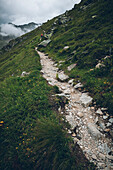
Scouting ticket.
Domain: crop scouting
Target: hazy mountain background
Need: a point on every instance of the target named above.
(10, 31)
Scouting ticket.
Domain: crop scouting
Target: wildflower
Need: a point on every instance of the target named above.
(16, 148)
(2, 122)
(7, 127)
(19, 144)
(28, 149)
(29, 80)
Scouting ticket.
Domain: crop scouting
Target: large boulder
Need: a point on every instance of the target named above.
(93, 130)
(45, 43)
(62, 77)
(85, 99)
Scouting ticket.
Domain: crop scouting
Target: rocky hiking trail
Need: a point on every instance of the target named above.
(96, 146)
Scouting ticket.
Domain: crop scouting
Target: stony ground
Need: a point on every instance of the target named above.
(85, 130)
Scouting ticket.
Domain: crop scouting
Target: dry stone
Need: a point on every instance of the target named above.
(99, 112)
(85, 99)
(93, 130)
(80, 114)
(79, 85)
(69, 68)
(62, 77)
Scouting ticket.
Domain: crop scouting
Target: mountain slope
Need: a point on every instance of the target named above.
(88, 33)
(32, 133)
(31, 129)
(11, 31)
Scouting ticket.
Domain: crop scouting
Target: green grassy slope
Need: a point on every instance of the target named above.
(32, 133)
(30, 129)
(88, 33)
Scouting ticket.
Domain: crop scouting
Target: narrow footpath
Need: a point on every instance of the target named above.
(84, 130)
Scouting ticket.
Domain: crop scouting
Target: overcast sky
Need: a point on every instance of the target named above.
(25, 11)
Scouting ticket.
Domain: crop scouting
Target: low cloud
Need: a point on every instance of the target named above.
(8, 29)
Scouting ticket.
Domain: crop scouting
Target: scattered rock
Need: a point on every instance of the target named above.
(103, 109)
(99, 65)
(106, 57)
(61, 61)
(24, 73)
(69, 131)
(71, 120)
(102, 125)
(67, 91)
(69, 68)
(62, 77)
(105, 117)
(108, 124)
(80, 114)
(101, 165)
(106, 130)
(111, 133)
(93, 130)
(111, 120)
(75, 140)
(94, 157)
(99, 112)
(73, 135)
(104, 148)
(96, 119)
(85, 99)
(66, 47)
(102, 156)
(79, 85)
(45, 43)
(110, 157)
(94, 16)
(71, 81)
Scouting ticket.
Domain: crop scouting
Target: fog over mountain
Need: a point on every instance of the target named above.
(10, 31)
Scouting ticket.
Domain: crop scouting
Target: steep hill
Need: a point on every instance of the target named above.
(33, 135)
(87, 31)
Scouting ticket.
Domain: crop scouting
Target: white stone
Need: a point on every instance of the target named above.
(24, 73)
(99, 65)
(80, 114)
(67, 91)
(85, 99)
(99, 112)
(93, 130)
(111, 120)
(69, 68)
(105, 117)
(71, 81)
(108, 124)
(96, 120)
(61, 61)
(66, 47)
(62, 77)
(71, 120)
(78, 85)
(102, 156)
(94, 157)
